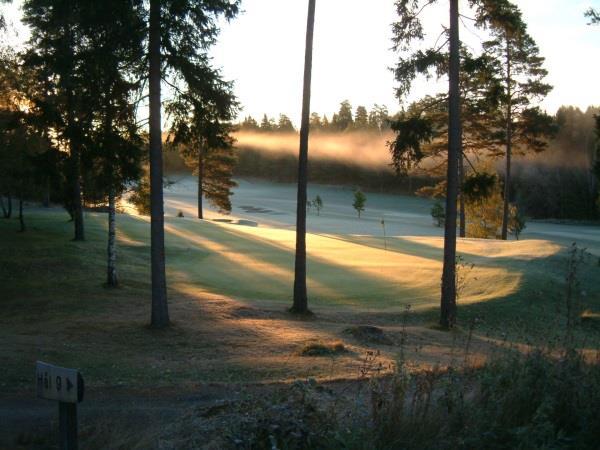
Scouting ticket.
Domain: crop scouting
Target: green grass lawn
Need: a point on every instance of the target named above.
(56, 308)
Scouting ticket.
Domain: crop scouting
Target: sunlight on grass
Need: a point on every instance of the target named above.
(401, 271)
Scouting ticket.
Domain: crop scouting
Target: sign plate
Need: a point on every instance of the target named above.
(58, 383)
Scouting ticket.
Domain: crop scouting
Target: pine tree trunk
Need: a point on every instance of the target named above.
(21, 218)
(111, 275)
(461, 198)
(74, 158)
(160, 309)
(448, 297)
(9, 205)
(77, 202)
(200, 181)
(508, 144)
(300, 304)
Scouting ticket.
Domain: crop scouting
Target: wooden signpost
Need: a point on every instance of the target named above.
(65, 386)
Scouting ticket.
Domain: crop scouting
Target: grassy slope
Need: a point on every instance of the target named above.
(228, 288)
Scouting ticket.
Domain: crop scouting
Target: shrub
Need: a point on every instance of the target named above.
(359, 201)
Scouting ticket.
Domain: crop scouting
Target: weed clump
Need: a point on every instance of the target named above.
(318, 348)
(533, 401)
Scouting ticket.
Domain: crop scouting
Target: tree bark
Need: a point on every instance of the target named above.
(74, 156)
(160, 310)
(9, 206)
(508, 143)
(200, 181)
(300, 304)
(461, 198)
(448, 295)
(111, 275)
(21, 218)
(76, 191)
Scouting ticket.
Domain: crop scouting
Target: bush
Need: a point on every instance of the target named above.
(359, 202)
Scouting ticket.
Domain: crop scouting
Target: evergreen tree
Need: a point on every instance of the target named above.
(315, 122)
(285, 124)
(524, 127)
(179, 34)
(379, 118)
(430, 61)
(361, 118)
(20, 143)
(359, 202)
(204, 138)
(343, 119)
(479, 93)
(111, 51)
(249, 124)
(267, 124)
(55, 56)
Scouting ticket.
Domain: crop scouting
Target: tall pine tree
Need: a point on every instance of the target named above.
(520, 66)
(54, 55)
(202, 129)
(111, 59)
(429, 61)
(179, 34)
(300, 302)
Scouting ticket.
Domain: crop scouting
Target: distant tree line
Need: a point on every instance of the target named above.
(346, 119)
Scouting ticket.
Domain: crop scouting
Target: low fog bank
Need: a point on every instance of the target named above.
(361, 148)
(556, 183)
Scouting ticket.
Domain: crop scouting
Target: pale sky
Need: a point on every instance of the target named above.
(262, 51)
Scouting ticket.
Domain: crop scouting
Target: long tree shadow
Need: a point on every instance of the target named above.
(266, 273)
(235, 263)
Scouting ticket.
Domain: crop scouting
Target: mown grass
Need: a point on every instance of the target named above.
(56, 307)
